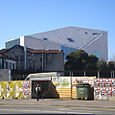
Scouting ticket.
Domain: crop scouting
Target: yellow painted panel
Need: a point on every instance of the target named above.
(8, 89)
(18, 89)
(2, 89)
(15, 89)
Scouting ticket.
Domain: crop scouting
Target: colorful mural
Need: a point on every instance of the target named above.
(15, 89)
(66, 86)
(89, 80)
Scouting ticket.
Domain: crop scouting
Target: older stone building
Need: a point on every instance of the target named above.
(7, 62)
(30, 59)
(1, 58)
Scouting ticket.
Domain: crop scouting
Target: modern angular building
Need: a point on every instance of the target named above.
(66, 39)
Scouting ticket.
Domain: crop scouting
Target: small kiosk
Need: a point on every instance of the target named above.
(44, 79)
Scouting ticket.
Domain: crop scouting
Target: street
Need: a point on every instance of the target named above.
(56, 106)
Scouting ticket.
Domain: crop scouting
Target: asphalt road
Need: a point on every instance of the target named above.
(56, 106)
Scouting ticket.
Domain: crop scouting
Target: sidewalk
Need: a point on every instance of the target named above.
(56, 105)
(58, 102)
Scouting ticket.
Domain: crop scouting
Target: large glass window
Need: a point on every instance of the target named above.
(97, 53)
(12, 43)
(45, 38)
(67, 50)
(70, 39)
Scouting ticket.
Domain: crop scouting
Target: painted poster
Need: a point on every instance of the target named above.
(113, 91)
(56, 81)
(108, 83)
(2, 89)
(66, 82)
(102, 82)
(113, 82)
(96, 90)
(17, 90)
(96, 82)
(108, 91)
(26, 88)
(89, 80)
(103, 91)
(8, 89)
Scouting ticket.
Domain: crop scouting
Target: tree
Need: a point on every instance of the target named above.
(111, 65)
(92, 62)
(80, 60)
(76, 60)
(101, 65)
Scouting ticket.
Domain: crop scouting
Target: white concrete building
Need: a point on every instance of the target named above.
(67, 39)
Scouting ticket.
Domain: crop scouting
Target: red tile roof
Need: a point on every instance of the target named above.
(43, 51)
(3, 50)
(53, 51)
(1, 55)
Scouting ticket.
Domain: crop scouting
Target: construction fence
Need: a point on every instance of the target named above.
(58, 87)
(104, 88)
(15, 89)
(66, 86)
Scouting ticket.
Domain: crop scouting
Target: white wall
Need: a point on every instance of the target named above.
(81, 37)
(22, 40)
(10, 62)
(100, 45)
(40, 44)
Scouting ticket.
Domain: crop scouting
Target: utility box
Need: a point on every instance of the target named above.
(84, 91)
(5, 75)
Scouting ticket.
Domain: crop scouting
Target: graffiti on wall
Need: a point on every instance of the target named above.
(61, 81)
(66, 81)
(15, 89)
(89, 80)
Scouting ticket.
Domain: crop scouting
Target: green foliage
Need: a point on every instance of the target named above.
(77, 60)
(101, 65)
(111, 65)
(92, 62)
(80, 60)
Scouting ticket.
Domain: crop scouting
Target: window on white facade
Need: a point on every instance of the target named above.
(70, 40)
(95, 33)
(45, 38)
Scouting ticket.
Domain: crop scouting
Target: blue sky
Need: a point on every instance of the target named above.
(24, 17)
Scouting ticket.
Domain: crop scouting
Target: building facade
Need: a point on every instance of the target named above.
(30, 59)
(7, 62)
(1, 58)
(67, 39)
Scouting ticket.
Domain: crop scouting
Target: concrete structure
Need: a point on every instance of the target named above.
(67, 39)
(5, 75)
